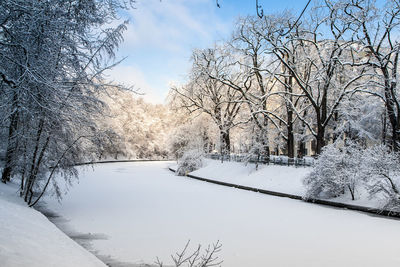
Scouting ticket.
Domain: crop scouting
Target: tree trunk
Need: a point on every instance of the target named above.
(289, 108)
(38, 163)
(290, 141)
(302, 149)
(320, 139)
(225, 142)
(29, 182)
(391, 108)
(11, 145)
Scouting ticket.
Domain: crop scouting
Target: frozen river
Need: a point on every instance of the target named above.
(145, 211)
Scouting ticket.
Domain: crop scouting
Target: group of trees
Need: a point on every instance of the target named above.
(141, 130)
(330, 74)
(53, 55)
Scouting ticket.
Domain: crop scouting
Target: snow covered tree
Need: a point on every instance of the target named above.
(195, 134)
(255, 83)
(142, 129)
(204, 94)
(315, 59)
(361, 119)
(50, 79)
(375, 30)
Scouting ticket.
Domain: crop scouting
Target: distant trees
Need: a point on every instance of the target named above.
(195, 134)
(53, 54)
(141, 130)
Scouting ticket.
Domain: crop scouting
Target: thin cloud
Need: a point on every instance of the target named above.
(160, 39)
(133, 76)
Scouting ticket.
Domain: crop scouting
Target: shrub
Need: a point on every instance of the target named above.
(382, 171)
(350, 167)
(190, 161)
(335, 171)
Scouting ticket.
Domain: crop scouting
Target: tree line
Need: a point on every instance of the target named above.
(326, 76)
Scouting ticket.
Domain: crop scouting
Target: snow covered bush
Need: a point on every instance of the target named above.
(382, 172)
(347, 168)
(190, 161)
(323, 180)
(337, 169)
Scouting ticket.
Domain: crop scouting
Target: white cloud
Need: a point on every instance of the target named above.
(132, 76)
(159, 42)
(172, 24)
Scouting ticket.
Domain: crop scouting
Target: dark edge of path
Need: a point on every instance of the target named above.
(122, 160)
(379, 212)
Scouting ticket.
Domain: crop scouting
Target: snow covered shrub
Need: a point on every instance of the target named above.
(336, 170)
(382, 173)
(323, 180)
(190, 161)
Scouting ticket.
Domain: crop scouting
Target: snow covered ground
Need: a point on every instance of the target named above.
(271, 177)
(27, 238)
(146, 211)
(285, 179)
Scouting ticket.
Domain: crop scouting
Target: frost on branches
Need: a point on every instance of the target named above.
(381, 167)
(349, 168)
(331, 177)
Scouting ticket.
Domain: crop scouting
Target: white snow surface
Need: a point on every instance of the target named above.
(284, 179)
(147, 211)
(28, 238)
(278, 178)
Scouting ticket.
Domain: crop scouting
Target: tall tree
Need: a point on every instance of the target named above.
(51, 76)
(322, 70)
(207, 95)
(375, 30)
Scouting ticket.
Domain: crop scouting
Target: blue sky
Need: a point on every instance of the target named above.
(162, 35)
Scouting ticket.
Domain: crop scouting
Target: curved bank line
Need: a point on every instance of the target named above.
(387, 213)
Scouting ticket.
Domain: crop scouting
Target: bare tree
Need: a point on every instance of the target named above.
(197, 258)
(319, 67)
(376, 30)
(203, 94)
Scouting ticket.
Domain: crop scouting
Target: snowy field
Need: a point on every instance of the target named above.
(146, 211)
(27, 238)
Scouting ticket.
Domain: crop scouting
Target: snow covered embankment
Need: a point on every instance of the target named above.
(28, 238)
(277, 178)
(281, 181)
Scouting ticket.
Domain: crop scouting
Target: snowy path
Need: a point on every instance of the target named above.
(146, 212)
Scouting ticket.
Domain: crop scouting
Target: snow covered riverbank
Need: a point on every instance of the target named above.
(285, 179)
(277, 178)
(146, 211)
(28, 238)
